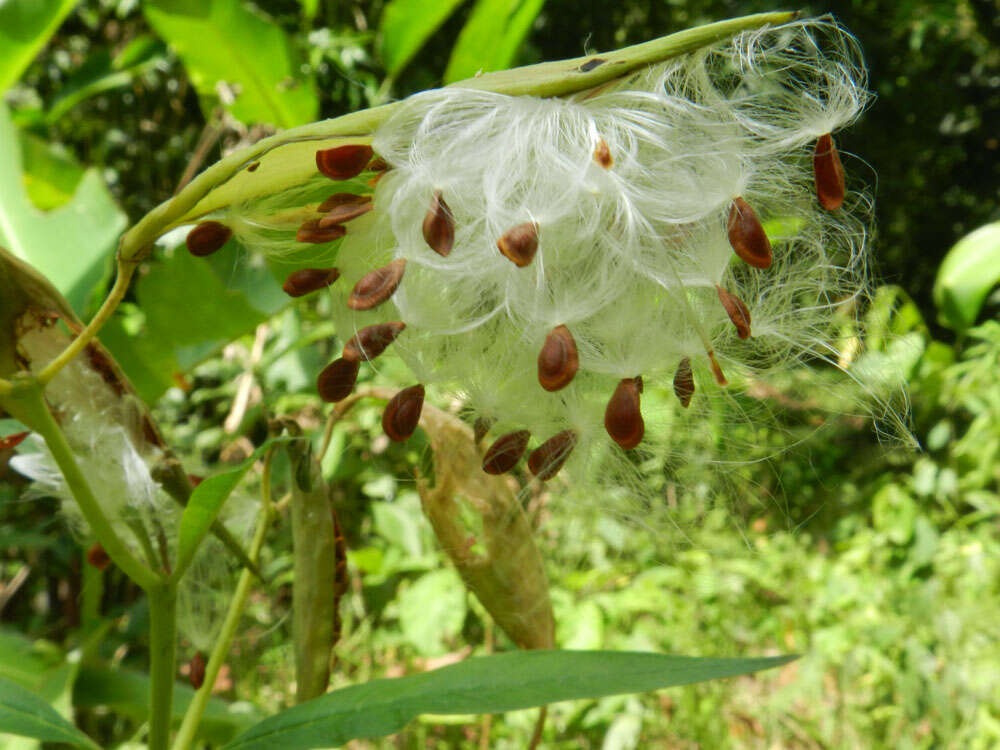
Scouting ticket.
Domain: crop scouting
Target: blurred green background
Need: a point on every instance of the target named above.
(879, 563)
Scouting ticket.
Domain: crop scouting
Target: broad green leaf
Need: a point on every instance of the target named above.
(968, 273)
(27, 662)
(69, 245)
(432, 610)
(127, 693)
(25, 27)
(407, 25)
(204, 505)
(491, 37)
(224, 42)
(51, 175)
(487, 684)
(24, 713)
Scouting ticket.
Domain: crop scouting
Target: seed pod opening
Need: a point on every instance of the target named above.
(684, 382)
(372, 340)
(747, 235)
(402, 413)
(505, 452)
(337, 379)
(345, 210)
(377, 286)
(519, 244)
(623, 417)
(312, 232)
(439, 226)
(207, 237)
(829, 173)
(343, 162)
(548, 458)
(196, 670)
(720, 378)
(98, 557)
(558, 360)
(602, 154)
(306, 280)
(737, 311)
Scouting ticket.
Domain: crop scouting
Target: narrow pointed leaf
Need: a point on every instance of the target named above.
(25, 714)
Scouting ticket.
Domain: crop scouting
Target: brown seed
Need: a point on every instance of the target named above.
(252, 167)
(6, 443)
(97, 557)
(546, 460)
(747, 236)
(602, 154)
(196, 670)
(737, 311)
(372, 340)
(622, 417)
(829, 173)
(341, 199)
(402, 413)
(346, 211)
(519, 244)
(378, 164)
(720, 378)
(591, 64)
(439, 226)
(505, 452)
(481, 427)
(312, 232)
(343, 162)
(307, 280)
(377, 286)
(558, 360)
(337, 379)
(208, 237)
(684, 382)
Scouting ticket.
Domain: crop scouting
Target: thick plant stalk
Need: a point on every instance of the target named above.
(314, 599)
(162, 660)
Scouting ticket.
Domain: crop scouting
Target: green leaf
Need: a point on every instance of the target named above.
(407, 25)
(69, 245)
(25, 27)
(24, 713)
(487, 684)
(205, 503)
(224, 42)
(491, 37)
(51, 175)
(968, 273)
(127, 693)
(432, 610)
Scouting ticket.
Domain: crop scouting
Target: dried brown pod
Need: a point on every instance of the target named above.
(684, 382)
(343, 162)
(602, 154)
(747, 235)
(737, 311)
(375, 287)
(548, 458)
(829, 173)
(481, 427)
(439, 226)
(337, 379)
(372, 340)
(402, 413)
(623, 417)
(519, 244)
(207, 237)
(558, 360)
(98, 557)
(505, 452)
(313, 233)
(196, 670)
(720, 377)
(306, 280)
(346, 210)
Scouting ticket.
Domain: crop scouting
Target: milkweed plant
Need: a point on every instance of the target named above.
(537, 245)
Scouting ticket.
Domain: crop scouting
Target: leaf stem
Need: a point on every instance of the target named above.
(196, 709)
(162, 655)
(117, 294)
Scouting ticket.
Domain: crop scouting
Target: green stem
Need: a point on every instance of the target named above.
(192, 718)
(28, 405)
(162, 654)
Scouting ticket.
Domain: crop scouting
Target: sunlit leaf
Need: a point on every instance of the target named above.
(25, 27)
(969, 271)
(407, 25)
(491, 37)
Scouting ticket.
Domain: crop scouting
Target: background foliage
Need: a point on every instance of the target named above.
(881, 565)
